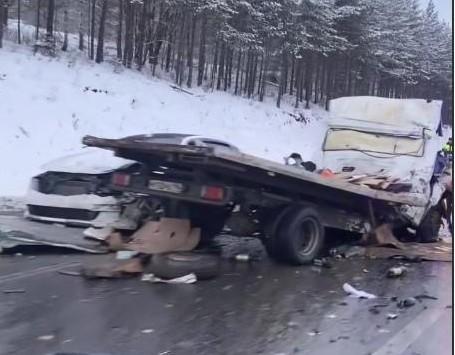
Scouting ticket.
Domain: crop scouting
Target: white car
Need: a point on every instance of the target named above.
(74, 190)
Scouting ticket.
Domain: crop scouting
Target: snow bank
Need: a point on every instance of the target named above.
(47, 105)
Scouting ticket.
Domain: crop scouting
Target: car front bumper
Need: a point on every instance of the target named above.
(79, 210)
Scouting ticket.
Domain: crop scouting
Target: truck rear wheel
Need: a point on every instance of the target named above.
(299, 238)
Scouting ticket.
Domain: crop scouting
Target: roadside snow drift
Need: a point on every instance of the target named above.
(47, 106)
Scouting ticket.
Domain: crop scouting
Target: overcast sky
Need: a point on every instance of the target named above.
(444, 8)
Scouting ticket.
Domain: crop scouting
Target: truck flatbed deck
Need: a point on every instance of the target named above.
(245, 166)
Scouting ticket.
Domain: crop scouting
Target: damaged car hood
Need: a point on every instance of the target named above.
(88, 161)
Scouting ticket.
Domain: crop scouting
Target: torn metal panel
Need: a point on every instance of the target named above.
(16, 231)
(350, 139)
(395, 112)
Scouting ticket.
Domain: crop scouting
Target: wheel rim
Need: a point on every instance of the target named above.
(308, 237)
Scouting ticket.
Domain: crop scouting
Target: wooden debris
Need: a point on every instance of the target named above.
(377, 182)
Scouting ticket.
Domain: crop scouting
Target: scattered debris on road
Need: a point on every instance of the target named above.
(314, 332)
(424, 297)
(14, 291)
(357, 293)
(392, 316)
(187, 279)
(46, 337)
(323, 262)
(354, 251)
(407, 302)
(147, 331)
(397, 271)
(113, 269)
(374, 310)
(383, 330)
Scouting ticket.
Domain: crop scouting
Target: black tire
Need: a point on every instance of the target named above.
(270, 231)
(428, 231)
(172, 265)
(300, 237)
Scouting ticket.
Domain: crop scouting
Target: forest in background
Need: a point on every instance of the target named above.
(302, 51)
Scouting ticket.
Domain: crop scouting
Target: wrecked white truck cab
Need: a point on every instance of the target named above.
(396, 138)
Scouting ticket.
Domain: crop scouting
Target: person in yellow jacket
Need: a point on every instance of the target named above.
(448, 147)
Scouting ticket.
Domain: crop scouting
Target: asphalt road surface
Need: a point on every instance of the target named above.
(252, 308)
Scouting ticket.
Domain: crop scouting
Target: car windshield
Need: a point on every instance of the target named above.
(349, 139)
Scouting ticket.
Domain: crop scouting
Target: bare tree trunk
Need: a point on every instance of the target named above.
(237, 74)
(89, 25)
(50, 19)
(180, 50)
(291, 81)
(221, 67)
(330, 80)
(298, 81)
(119, 29)
(19, 21)
(100, 44)
(128, 47)
(302, 79)
(5, 12)
(92, 29)
(140, 38)
(261, 71)
(241, 74)
(37, 19)
(264, 75)
(214, 66)
(323, 80)
(229, 71)
(226, 66)
(169, 52)
(317, 82)
(282, 88)
(247, 72)
(253, 77)
(2, 13)
(65, 29)
(81, 26)
(189, 82)
(202, 43)
(308, 80)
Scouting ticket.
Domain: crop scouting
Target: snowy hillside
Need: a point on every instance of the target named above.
(47, 105)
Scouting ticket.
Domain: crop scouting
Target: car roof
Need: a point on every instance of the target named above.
(170, 138)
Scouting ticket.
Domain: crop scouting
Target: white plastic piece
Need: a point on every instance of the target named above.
(353, 292)
(186, 279)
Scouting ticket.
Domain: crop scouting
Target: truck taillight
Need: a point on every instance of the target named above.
(121, 179)
(213, 193)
